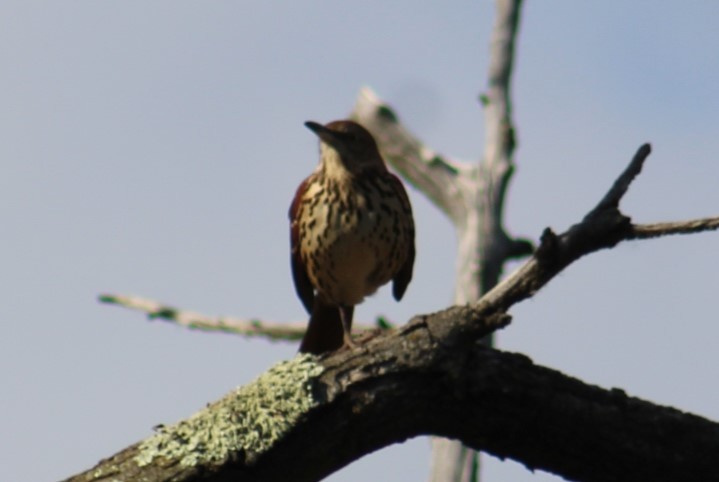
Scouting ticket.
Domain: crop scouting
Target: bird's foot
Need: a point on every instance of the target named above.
(349, 343)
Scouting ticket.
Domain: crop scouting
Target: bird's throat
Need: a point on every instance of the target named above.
(331, 163)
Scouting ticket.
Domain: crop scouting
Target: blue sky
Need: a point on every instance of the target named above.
(153, 149)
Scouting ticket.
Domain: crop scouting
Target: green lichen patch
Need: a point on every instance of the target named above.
(246, 422)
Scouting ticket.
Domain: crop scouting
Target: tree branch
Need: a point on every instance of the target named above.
(311, 416)
(428, 171)
(237, 326)
(411, 383)
(645, 231)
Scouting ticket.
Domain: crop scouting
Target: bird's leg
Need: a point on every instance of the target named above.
(346, 317)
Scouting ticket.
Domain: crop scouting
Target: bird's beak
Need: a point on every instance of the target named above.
(326, 135)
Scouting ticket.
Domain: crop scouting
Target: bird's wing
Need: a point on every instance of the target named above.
(303, 286)
(404, 275)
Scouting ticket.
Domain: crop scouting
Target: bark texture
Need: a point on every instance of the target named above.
(493, 401)
(308, 417)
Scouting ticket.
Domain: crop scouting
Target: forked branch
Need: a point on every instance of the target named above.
(390, 388)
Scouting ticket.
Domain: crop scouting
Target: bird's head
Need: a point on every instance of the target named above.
(349, 143)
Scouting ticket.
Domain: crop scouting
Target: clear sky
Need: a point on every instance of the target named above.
(152, 148)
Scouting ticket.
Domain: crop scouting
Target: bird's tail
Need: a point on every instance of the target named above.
(324, 332)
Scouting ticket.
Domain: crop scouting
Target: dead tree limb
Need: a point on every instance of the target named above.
(248, 327)
(308, 417)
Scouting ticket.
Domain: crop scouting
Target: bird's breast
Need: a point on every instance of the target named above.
(352, 240)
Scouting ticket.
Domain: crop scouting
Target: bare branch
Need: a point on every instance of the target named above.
(238, 326)
(500, 140)
(645, 231)
(352, 402)
(621, 185)
(421, 166)
(389, 388)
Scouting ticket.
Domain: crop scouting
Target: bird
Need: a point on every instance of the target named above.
(351, 232)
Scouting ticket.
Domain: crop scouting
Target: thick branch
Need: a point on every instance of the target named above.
(432, 376)
(411, 383)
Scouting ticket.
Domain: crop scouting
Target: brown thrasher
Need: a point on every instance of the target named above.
(351, 231)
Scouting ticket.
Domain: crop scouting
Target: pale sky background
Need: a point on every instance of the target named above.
(152, 148)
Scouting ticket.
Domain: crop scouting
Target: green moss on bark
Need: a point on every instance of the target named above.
(242, 425)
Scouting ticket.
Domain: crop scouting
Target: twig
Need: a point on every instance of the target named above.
(645, 231)
(621, 185)
(197, 321)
